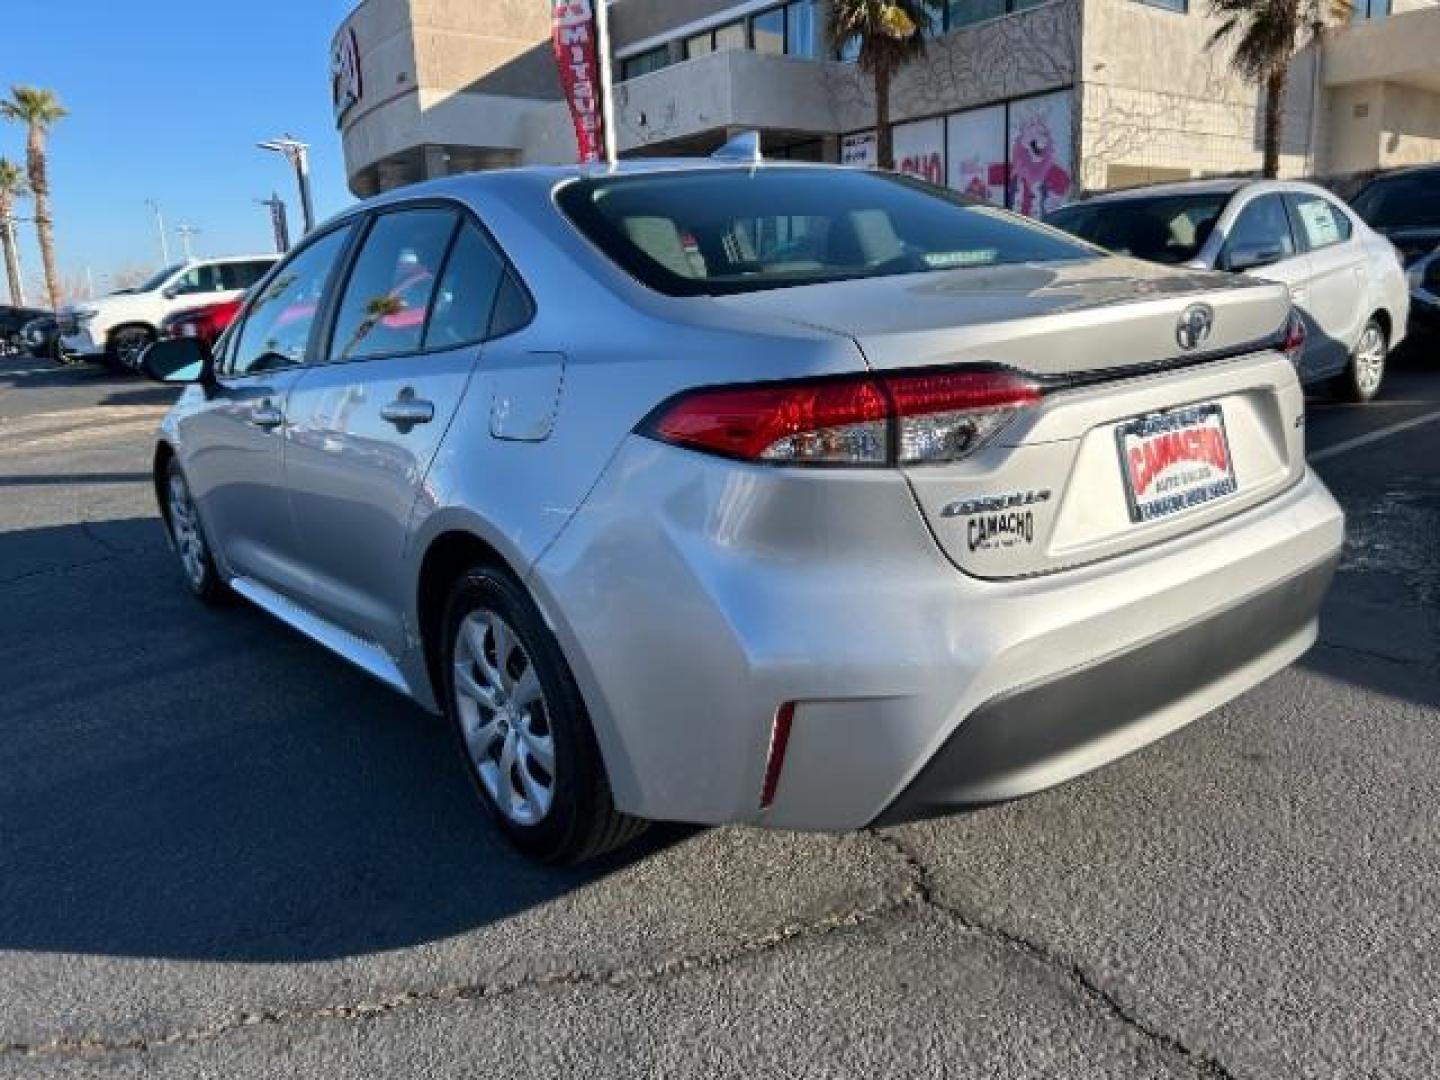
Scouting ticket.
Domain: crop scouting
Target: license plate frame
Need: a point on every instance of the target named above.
(1207, 455)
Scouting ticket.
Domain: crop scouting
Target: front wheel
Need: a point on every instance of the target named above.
(1361, 380)
(522, 727)
(187, 537)
(127, 346)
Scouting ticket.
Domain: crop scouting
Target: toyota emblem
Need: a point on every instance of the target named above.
(1195, 326)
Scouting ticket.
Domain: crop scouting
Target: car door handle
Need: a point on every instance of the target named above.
(266, 416)
(408, 411)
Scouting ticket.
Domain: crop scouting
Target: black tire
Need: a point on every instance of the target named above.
(581, 821)
(1362, 378)
(122, 351)
(200, 577)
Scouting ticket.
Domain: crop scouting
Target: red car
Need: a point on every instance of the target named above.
(206, 322)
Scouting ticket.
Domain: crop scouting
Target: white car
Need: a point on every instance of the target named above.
(117, 328)
(1346, 279)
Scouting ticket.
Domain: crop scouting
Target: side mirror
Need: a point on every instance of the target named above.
(179, 361)
(1252, 256)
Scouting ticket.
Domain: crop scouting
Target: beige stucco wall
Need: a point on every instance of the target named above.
(445, 71)
(1024, 53)
(1154, 95)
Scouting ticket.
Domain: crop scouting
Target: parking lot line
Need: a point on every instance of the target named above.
(1361, 441)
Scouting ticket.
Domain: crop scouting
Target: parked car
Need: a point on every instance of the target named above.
(42, 338)
(206, 322)
(1345, 278)
(1424, 278)
(1405, 207)
(115, 329)
(12, 325)
(672, 524)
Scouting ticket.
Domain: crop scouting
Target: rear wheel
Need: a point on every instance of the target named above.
(197, 566)
(522, 727)
(126, 346)
(1362, 379)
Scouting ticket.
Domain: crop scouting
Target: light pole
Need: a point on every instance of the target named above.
(186, 232)
(298, 154)
(279, 221)
(160, 231)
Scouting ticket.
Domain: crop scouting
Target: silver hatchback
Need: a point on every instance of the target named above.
(789, 495)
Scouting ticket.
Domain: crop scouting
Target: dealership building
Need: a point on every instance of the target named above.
(1024, 102)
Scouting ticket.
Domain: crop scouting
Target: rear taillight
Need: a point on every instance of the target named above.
(907, 419)
(1294, 345)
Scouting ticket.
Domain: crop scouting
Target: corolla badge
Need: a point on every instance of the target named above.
(1195, 325)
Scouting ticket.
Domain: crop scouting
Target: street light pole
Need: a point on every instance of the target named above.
(298, 154)
(186, 232)
(279, 221)
(160, 231)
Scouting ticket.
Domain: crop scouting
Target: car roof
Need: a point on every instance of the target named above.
(471, 187)
(1409, 170)
(1229, 185)
(270, 255)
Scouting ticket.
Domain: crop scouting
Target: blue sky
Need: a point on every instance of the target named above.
(167, 101)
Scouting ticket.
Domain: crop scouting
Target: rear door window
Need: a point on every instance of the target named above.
(387, 299)
(1319, 222)
(240, 276)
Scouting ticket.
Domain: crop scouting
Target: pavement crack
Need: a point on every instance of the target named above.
(1074, 973)
(612, 977)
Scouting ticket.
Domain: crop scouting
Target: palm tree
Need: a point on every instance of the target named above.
(12, 187)
(37, 109)
(891, 33)
(1267, 34)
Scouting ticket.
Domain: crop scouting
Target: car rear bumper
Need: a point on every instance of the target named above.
(1041, 735)
(695, 598)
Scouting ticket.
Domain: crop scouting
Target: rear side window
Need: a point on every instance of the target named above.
(717, 231)
(238, 276)
(388, 295)
(1319, 221)
(466, 295)
(513, 307)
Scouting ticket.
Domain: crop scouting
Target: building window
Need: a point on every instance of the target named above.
(699, 45)
(730, 36)
(802, 30)
(767, 30)
(1181, 6)
(644, 63)
(1363, 10)
(965, 12)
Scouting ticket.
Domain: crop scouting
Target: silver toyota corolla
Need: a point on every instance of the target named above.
(788, 495)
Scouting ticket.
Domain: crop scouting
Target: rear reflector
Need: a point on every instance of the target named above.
(859, 420)
(779, 741)
(1294, 346)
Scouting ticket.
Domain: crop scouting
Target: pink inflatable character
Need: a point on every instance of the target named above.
(1039, 183)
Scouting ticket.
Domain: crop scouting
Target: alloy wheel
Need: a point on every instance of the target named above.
(1370, 360)
(185, 529)
(129, 347)
(504, 719)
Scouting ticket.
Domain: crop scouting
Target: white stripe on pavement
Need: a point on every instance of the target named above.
(1361, 441)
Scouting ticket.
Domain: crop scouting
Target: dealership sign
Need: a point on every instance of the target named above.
(345, 84)
(577, 52)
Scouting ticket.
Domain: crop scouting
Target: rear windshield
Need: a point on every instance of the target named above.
(729, 231)
(1401, 202)
(1163, 228)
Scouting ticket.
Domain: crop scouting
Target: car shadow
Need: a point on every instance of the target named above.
(148, 395)
(199, 784)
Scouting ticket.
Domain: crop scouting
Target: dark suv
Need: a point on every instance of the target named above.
(1405, 207)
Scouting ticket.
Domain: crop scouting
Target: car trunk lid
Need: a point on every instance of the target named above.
(1217, 425)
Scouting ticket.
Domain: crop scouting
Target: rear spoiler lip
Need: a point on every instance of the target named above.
(1080, 379)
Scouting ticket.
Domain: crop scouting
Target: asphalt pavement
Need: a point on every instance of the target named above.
(225, 853)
